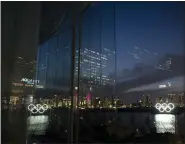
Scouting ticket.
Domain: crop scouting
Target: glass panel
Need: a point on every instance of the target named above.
(46, 121)
(128, 63)
(126, 84)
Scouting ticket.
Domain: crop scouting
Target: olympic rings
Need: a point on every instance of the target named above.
(165, 107)
(38, 108)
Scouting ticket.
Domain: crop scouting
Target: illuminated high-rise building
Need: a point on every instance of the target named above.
(177, 99)
(93, 68)
(159, 99)
(97, 102)
(170, 98)
(147, 100)
(106, 102)
(23, 69)
(181, 101)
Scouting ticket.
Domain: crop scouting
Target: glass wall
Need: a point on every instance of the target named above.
(54, 61)
(54, 74)
(131, 57)
(97, 49)
(128, 57)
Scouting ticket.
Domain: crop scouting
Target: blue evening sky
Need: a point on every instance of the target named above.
(157, 27)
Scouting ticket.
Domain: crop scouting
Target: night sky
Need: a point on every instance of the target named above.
(141, 33)
(144, 32)
(157, 27)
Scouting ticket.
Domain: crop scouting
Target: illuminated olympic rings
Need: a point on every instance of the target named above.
(38, 108)
(165, 107)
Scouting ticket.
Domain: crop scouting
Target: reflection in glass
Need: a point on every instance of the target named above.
(37, 124)
(165, 123)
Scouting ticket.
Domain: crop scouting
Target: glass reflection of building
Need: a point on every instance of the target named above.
(53, 62)
(23, 69)
(97, 60)
(93, 67)
(147, 100)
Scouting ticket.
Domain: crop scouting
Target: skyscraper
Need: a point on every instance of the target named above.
(23, 69)
(147, 100)
(93, 67)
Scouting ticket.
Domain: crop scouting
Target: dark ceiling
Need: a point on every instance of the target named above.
(53, 14)
(23, 22)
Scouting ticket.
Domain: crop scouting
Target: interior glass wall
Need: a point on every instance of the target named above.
(54, 75)
(131, 58)
(54, 61)
(127, 59)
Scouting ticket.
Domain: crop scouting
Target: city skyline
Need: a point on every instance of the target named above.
(144, 50)
(157, 32)
(93, 72)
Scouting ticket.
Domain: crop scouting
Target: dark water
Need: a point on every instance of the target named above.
(163, 122)
(53, 124)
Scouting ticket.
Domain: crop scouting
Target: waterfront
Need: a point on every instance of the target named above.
(52, 126)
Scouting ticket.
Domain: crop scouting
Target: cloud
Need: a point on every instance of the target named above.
(177, 84)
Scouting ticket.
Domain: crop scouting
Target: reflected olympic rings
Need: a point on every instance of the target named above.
(38, 108)
(165, 107)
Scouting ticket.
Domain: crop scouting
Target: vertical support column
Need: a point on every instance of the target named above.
(80, 28)
(71, 112)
